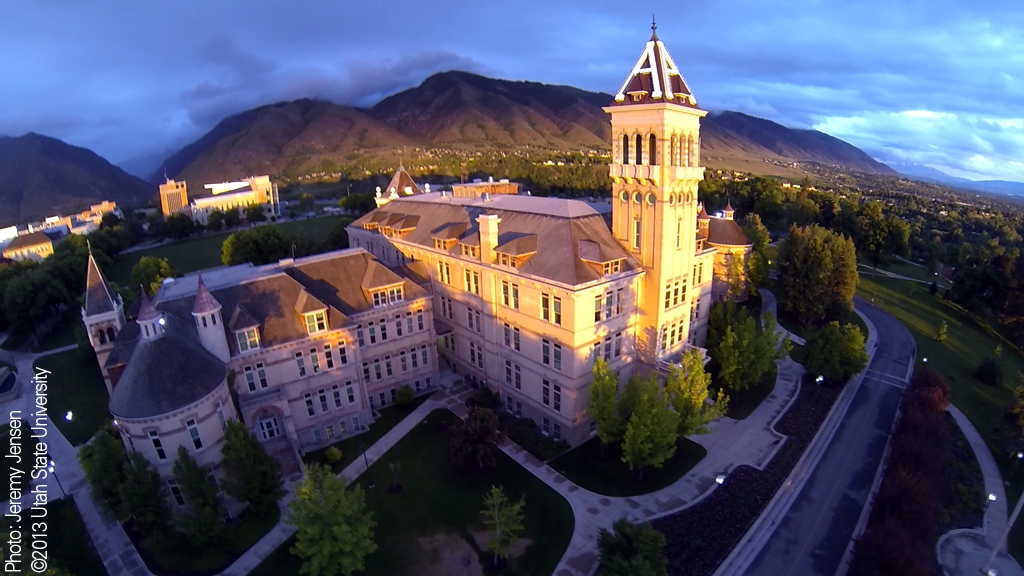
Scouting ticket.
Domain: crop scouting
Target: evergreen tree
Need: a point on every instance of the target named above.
(817, 273)
(215, 221)
(144, 500)
(254, 213)
(603, 408)
(651, 431)
(334, 530)
(204, 523)
(687, 389)
(103, 461)
(835, 352)
(737, 280)
(504, 520)
(940, 334)
(253, 476)
(631, 550)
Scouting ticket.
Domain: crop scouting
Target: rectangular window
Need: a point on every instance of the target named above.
(351, 393)
(322, 395)
(618, 345)
(394, 395)
(618, 301)
(261, 373)
(403, 360)
(546, 393)
(668, 295)
(473, 281)
(598, 307)
(383, 399)
(557, 432)
(408, 321)
(609, 305)
(479, 326)
(423, 355)
(342, 427)
(515, 296)
(247, 339)
(366, 371)
(469, 318)
(558, 398)
(383, 329)
(515, 339)
(172, 486)
(336, 392)
(373, 333)
(158, 446)
(301, 364)
(545, 427)
(545, 352)
(355, 423)
(419, 320)
(558, 310)
(316, 322)
(505, 293)
(508, 404)
(444, 272)
(193, 432)
(398, 325)
(558, 356)
(518, 377)
(508, 336)
(414, 358)
(329, 356)
(314, 360)
(608, 348)
(220, 416)
(519, 409)
(250, 379)
(359, 336)
(387, 366)
(613, 267)
(545, 307)
(508, 373)
(637, 234)
(330, 431)
(317, 438)
(679, 233)
(376, 369)
(310, 411)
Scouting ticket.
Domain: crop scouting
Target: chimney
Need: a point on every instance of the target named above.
(488, 236)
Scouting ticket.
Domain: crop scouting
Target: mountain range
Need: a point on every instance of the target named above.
(936, 176)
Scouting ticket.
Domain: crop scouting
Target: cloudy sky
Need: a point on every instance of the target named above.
(933, 82)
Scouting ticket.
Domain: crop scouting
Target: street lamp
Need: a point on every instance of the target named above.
(819, 379)
(52, 464)
(925, 360)
(1014, 469)
(369, 477)
(1002, 538)
(720, 479)
(68, 416)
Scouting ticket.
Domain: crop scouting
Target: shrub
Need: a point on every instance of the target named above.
(332, 454)
(484, 399)
(405, 395)
(472, 442)
(989, 372)
(524, 431)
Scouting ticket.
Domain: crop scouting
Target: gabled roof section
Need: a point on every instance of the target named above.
(307, 303)
(655, 78)
(99, 298)
(517, 244)
(450, 231)
(591, 251)
(241, 319)
(378, 276)
(402, 184)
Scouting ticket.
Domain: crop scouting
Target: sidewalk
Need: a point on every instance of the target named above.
(769, 304)
(996, 512)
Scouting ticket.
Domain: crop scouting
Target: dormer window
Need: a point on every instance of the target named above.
(316, 322)
(471, 251)
(506, 260)
(248, 339)
(389, 296)
(613, 267)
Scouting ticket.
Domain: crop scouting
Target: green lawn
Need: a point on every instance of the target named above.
(967, 342)
(75, 384)
(389, 418)
(68, 542)
(63, 332)
(609, 475)
(204, 252)
(183, 559)
(439, 500)
(903, 268)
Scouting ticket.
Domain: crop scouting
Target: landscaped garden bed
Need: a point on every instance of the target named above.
(963, 495)
(350, 447)
(743, 404)
(433, 526)
(702, 536)
(607, 474)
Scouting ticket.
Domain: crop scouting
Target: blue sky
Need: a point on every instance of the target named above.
(934, 82)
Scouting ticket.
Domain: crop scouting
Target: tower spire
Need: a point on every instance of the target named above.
(654, 28)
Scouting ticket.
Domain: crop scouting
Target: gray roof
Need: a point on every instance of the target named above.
(166, 373)
(553, 227)
(99, 298)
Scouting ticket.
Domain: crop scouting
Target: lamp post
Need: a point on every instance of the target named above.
(369, 477)
(51, 471)
(720, 479)
(1014, 469)
(1002, 538)
(69, 416)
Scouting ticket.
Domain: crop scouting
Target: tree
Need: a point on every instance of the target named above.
(338, 238)
(358, 203)
(215, 221)
(204, 523)
(472, 442)
(109, 220)
(405, 395)
(253, 476)
(504, 520)
(261, 245)
(940, 334)
(334, 531)
(32, 296)
(254, 213)
(179, 226)
(306, 202)
(737, 281)
(103, 462)
(232, 218)
(150, 272)
(651, 431)
(687, 389)
(742, 354)
(144, 499)
(874, 231)
(835, 352)
(631, 550)
(817, 273)
(603, 408)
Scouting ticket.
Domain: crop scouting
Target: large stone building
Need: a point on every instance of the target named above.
(32, 246)
(313, 347)
(238, 195)
(529, 290)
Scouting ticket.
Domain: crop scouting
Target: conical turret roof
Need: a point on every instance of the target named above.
(146, 310)
(205, 302)
(99, 298)
(703, 214)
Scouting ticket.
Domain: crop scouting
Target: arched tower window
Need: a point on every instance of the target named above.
(625, 148)
(691, 151)
(672, 151)
(102, 337)
(696, 151)
(110, 334)
(639, 150)
(652, 154)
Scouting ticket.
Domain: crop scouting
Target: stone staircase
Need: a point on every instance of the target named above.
(281, 449)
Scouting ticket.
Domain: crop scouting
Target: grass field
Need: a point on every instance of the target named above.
(903, 268)
(204, 252)
(75, 384)
(439, 501)
(967, 342)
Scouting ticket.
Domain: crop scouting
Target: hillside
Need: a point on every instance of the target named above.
(42, 176)
(935, 176)
(459, 110)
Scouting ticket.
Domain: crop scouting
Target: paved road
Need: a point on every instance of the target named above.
(812, 537)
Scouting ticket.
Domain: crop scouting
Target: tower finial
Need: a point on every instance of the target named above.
(654, 28)
(88, 246)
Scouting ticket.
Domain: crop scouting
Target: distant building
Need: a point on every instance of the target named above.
(478, 188)
(255, 190)
(401, 185)
(173, 197)
(32, 246)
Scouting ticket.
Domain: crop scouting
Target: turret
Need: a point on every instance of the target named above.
(209, 322)
(102, 311)
(150, 320)
(728, 212)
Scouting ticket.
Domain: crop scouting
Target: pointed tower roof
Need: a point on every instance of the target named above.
(655, 78)
(99, 298)
(205, 302)
(728, 206)
(146, 310)
(401, 183)
(703, 214)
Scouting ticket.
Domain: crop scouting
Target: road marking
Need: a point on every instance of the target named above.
(886, 378)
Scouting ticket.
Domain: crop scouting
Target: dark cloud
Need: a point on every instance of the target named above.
(938, 82)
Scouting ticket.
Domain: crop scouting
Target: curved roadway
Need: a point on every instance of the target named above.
(813, 535)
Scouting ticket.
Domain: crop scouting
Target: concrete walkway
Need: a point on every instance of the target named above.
(769, 304)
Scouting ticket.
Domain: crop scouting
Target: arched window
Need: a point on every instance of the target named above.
(102, 337)
(652, 154)
(625, 148)
(696, 151)
(691, 147)
(639, 149)
(672, 151)
(110, 334)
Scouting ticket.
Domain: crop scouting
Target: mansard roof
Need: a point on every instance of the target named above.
(726, 232)
(655, 78)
